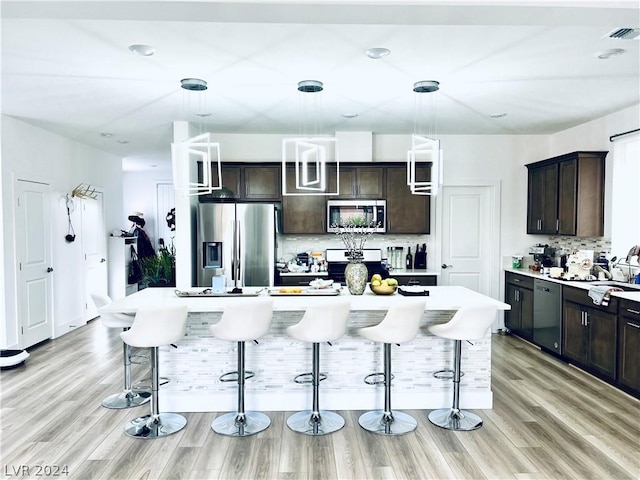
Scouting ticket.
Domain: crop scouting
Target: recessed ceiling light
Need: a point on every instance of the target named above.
(612, 52)
(144, 50)
(498, 115)
(193, 84)
(349, 115)
(377, 53)
(106, 135)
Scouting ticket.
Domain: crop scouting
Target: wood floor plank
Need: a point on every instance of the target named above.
(550, 420)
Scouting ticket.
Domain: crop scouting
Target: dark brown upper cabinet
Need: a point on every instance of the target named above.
(249, 182)
(407, 213)
(566, 195)
(359, 182)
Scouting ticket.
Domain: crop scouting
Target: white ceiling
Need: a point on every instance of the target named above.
(66, 66)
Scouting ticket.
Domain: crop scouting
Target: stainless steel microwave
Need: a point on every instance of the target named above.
(342, 212)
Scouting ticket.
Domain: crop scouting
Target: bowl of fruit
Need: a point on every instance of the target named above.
(380, 286)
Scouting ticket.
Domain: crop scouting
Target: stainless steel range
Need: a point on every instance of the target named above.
(337, 261)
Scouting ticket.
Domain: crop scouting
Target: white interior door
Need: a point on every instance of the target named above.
(33, 250)
(94, 247)
(469, 238)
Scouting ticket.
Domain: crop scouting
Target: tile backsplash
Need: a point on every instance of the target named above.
(290, 245)
(570, 244)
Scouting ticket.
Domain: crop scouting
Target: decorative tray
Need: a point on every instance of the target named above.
(413, 291)
(207, 292)
(302, 292)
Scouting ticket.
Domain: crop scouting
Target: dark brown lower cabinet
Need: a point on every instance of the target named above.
(629, 345)
(590, 333)
(519, 294)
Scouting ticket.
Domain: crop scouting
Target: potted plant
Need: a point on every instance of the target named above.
(159, 270)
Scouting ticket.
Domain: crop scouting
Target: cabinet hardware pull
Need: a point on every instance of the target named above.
(636, 312)
(586, 319)
(633, 325)
(557, 224)
(517, 280)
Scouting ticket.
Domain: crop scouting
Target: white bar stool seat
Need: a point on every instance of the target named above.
(248, 320)
(127, 398)
(318, 324)
(153, 327)
(468, 323)
(400, 325)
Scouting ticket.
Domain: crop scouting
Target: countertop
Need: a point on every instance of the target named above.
(634, 296)
(400, 272)
(440, 298)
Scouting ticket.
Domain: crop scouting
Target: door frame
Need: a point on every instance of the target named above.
(494, 187)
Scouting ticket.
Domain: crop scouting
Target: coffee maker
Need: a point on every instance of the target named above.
(543, 256)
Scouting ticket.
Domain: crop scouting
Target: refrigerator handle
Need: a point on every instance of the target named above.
(234, 251)
(238, 248)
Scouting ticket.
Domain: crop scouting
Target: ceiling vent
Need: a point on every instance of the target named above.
(624, 33)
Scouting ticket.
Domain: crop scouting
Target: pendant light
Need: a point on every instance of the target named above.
(198, 149)
(425, 148)
(310, 153)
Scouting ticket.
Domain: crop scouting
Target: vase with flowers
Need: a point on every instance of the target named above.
(354, 234)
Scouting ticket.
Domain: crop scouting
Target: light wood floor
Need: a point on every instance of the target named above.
(549, 421)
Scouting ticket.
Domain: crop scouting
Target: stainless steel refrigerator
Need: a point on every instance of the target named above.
(238, 238)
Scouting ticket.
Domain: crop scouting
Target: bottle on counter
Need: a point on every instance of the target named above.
(409, 262)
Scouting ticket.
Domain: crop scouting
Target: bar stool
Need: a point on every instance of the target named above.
(152, 327)
(239, 323)
(127, 398)
(399, 325)
(325, 323)
(468, 323)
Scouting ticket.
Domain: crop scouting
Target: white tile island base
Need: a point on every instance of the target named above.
(195, 366)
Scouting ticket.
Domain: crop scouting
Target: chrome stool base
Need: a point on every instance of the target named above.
(155, 426)
(305, 422)
(377, 422)
(126, 399)
(454, 419)
(229, 424)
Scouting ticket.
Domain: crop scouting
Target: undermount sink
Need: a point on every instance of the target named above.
(627, 287)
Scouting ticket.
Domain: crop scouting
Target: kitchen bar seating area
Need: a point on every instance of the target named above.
(549, 420)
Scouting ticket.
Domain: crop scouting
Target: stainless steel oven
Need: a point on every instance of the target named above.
(341, 212)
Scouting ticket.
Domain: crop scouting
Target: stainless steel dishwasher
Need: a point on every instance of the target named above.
(547, 315)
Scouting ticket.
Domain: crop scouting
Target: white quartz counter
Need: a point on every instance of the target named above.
(630, 295)
(440, 298)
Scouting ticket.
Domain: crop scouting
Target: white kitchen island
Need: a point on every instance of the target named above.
(196, 365)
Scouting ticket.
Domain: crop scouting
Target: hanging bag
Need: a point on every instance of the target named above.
(135, 269)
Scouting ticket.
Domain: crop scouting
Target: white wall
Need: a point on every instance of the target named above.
(29, 152)
(594, 135)
(140, 195)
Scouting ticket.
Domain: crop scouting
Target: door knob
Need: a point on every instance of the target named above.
(49, 270)
(444, 265)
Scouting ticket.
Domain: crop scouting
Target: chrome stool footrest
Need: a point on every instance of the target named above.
(372, 378)
(308, 377)
(446, 374)
(233, 376)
